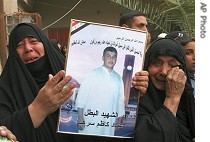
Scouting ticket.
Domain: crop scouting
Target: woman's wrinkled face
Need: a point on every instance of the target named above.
(30, 49)
(159, 68)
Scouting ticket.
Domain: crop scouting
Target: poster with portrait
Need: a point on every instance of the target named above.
(102, 59)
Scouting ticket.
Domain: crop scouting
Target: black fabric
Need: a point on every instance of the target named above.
(55, 42)
(165, 47)
(40, 70)
(23, 32)
(155, 123)
(18, 88)
(192, 75)
(181, 37)
(175, 34)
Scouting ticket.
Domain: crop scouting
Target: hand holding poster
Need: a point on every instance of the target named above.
(102, 59)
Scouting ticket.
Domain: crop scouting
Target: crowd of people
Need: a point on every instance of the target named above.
(33, 86)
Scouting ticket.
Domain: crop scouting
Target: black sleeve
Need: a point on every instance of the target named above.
(155, 125)
(15, 116)
(20, 123)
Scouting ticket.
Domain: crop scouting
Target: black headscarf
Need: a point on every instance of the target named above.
(17, 72)
(55, 43)
(168, 47)
(152, 101)
(20, 83)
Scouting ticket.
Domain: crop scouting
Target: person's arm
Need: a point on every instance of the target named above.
(53, 94)
(175, 84)
(82, 98)
(161, 124)
(16, 118)
(4, 132)
(154, 125)
(140, 81)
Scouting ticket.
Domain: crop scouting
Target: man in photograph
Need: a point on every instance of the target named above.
(100, 100)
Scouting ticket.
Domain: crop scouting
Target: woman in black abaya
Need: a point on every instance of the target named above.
(167, 110)
(29, 105)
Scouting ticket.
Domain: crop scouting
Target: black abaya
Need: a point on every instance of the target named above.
(19, 87)
(155, 122)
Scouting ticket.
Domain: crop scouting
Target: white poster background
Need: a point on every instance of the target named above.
(85, 54)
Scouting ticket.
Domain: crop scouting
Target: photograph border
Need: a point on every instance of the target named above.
(87, 40)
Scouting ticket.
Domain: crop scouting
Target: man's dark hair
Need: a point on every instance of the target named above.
(111, 49)
(127, 17)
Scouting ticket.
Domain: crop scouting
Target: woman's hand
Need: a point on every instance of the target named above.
(51, 96)
(175, 84)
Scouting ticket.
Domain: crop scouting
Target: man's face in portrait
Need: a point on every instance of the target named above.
(110, 59)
